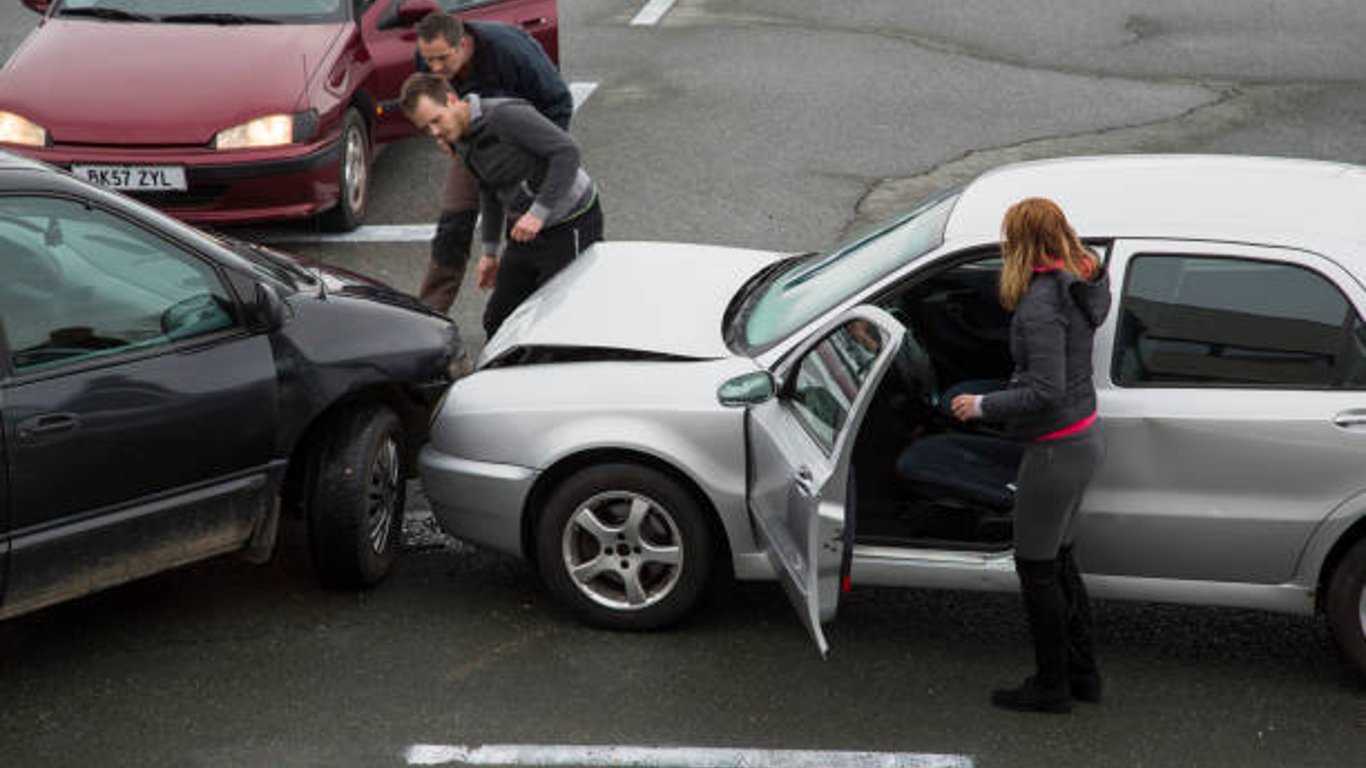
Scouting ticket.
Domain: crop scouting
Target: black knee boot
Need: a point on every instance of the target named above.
(1082, 673)
(1047, 690)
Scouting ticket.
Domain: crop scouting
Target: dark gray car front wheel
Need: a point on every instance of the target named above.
(355, 497)
(1346, 605)
(624, 547)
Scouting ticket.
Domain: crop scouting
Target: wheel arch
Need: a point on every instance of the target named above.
(365, 104)
(1349, 538)
(412, 412)
(557, 473)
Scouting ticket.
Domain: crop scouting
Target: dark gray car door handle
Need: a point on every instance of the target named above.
(46, 424)
(804, 482)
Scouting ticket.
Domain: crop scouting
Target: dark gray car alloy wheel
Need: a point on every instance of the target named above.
(624, 546)
(356, 496)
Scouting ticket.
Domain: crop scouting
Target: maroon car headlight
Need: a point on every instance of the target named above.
(17, 129)
(269, 131)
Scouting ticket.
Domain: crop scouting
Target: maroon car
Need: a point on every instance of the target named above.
(226, 111)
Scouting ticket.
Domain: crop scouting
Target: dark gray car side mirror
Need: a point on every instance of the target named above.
(269, 310)
(747, 389)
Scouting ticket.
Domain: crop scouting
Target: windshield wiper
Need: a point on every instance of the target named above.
(108, 14)
(216, 18)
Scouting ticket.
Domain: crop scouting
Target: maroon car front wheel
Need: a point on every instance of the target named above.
(355, 176)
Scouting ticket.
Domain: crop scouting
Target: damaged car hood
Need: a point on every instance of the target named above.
(661, 298)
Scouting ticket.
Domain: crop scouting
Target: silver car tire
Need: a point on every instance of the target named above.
(624, 547)
(355, 496)
(1346, 605)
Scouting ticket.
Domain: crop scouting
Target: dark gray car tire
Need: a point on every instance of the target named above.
(356, 160)
(354, 497)
(638, 539)
(1346, 605)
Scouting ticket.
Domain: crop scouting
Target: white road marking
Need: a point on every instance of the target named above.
(391, 233)
(376, 233)
(581, 92)
(672, 757)
(652, 13)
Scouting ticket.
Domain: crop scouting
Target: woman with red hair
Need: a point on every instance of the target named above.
(1060, 294)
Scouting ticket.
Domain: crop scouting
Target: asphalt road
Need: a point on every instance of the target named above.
(781, 124)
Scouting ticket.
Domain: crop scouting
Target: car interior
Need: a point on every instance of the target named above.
(923, 478)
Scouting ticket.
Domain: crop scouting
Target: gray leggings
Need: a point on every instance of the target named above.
(1053, 476)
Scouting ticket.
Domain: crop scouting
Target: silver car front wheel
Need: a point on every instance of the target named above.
(624, 546)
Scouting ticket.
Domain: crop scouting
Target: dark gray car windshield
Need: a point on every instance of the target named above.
(208, 11)
(808, 287)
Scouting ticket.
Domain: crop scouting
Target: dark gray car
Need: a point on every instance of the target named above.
(166, 394)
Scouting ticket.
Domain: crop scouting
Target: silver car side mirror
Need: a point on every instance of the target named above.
(747, 389)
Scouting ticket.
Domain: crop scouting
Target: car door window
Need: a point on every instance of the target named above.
(829, 378)
(1216, 321)
(79, 283)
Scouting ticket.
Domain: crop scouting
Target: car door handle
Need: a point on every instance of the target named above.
(1350, 419)
(47, 424)
(806, 485)
(533, 23)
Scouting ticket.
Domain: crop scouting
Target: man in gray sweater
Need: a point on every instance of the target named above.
(530, 183)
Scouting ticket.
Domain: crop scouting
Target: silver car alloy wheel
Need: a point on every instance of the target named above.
(357, 169)
(623, 550)
(382, 492)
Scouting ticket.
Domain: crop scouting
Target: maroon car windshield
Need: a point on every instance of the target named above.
(207, 11)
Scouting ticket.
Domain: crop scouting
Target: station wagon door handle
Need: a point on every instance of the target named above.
(1350, 419)
(46, 424)
(804, 482)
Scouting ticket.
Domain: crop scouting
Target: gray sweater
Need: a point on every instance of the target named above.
(524, 163)
(1051, 338)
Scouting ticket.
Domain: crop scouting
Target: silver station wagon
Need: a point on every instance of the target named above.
(659, 411)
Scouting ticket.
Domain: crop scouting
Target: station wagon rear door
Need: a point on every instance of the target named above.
(800, 444)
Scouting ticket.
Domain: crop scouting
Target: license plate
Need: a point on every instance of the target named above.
(134, 178)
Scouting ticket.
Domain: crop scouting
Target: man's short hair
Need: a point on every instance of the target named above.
(438, 24)
(421, 84)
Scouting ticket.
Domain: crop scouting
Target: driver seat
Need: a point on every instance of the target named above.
(966, 471)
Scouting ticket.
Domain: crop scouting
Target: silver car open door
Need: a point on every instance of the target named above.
(800, 444)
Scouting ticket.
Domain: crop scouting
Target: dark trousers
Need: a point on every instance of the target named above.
(449, 255)
(524, 267)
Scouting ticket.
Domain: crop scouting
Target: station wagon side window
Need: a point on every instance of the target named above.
(1232, 322)
(829, 378)
(78, 284)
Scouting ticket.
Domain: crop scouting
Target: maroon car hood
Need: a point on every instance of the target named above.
(103, 83)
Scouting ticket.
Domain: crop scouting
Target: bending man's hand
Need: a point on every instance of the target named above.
(486, 271)
(526, 228)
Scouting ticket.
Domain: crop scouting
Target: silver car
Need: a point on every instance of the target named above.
(660, 411)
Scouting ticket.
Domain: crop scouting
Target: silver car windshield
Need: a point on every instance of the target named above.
(208, 11)
(813, 285)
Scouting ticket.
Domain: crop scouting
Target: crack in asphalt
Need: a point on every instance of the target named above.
(722, 13)
(1140, 29)
(1234, 108)
(1236, 103)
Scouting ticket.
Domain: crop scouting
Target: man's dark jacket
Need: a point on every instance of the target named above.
(509, 63)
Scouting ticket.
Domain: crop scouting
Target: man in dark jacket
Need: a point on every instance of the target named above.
(493, 60)
(529, 176)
